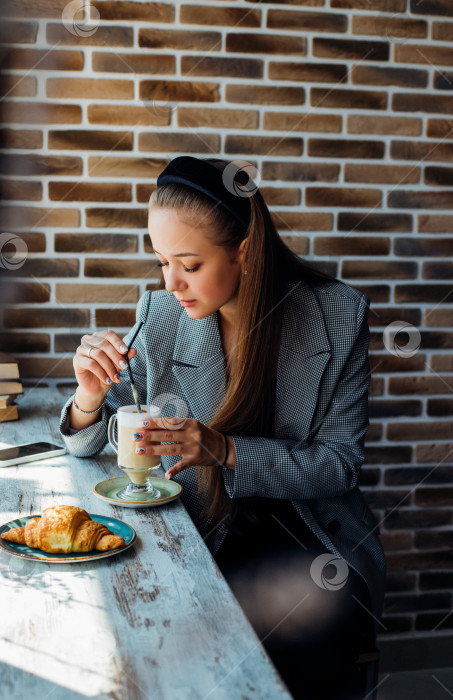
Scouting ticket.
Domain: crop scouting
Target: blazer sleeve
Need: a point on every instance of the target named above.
(329, 463)
(91, 440)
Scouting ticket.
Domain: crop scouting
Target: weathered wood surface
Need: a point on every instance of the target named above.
(155, 622)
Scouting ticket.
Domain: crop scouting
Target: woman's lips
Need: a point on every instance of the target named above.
(187, 303)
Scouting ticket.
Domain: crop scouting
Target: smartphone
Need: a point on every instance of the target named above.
(30, 452)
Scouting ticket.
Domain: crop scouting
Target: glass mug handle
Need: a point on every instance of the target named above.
(111, 432)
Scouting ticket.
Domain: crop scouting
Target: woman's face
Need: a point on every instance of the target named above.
(193, 267)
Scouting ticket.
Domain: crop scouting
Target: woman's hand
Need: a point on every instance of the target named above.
(97, 361)
(197, 443)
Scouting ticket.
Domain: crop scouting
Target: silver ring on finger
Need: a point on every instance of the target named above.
(89, 352)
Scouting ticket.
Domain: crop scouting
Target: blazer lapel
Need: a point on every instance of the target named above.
(304, 353)
(199, 364)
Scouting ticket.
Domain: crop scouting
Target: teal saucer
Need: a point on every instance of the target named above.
(109, 488)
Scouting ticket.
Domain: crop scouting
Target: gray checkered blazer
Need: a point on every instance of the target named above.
(315, 455)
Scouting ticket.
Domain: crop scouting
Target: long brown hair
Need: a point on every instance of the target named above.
(248, 406)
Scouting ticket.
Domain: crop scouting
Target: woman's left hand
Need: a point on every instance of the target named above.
(197, 443)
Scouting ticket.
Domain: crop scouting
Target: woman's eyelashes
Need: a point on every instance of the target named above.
(187, 269)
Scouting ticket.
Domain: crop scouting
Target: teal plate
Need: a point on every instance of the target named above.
(108, 491)
(21, 550)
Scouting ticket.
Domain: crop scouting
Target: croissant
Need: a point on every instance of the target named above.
(64, 529)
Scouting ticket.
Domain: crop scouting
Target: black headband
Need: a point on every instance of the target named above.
(204, 176)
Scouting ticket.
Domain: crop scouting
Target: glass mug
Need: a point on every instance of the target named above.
(137, 467)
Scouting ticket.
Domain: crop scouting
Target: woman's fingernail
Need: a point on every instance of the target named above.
(138, 436)
(108, 381)
(140, 450)
(117, 378)
(123, 348)
(168, 475)
(146, 424)
(122, 364)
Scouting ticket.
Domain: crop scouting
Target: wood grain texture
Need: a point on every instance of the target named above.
(157, 621)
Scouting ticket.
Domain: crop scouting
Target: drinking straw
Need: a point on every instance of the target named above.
(133, 387)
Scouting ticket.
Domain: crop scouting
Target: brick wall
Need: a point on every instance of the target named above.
(346, 109)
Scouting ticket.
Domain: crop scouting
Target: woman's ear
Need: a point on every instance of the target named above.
(241, 251)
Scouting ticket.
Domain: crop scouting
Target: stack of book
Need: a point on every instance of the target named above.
(10, 387)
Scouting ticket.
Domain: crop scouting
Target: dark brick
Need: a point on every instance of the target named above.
(308, 72)
(30, 164)
(18, 32)
(397, 582)
(336, 148)
(67, 342)
(266, 43)
(382, 316)
(348, 99)
(347, 48)
(417, 475)
(435, 580)
(25, 293)
(439, 176)
(178, 90)
(374, 433)
(432, 7)
(443, 81)
(80, 140)
(395, 624)
(126, 10)
(225, 67)
(434, 223)
(440, 408)
(377, 293)
(43, 113)
(374, 223)
(414, 603)
(300, 172)
(405, 519)
(406, 102)
(179, 143)
(379, 269)
(263, 145)
(440, 128)
(432, 293)
(369, 477)
(387, 499)
(57, 34)
(108, 62)
(25, 342)
(108, 318)
(20, 138)
(434, 540)
(419, 385)
(181, 40)
(421, 151)
(89, 191)
(434, 622)
(307, 21)
(392, 541)
(351, 245)
(381, 364)
(42, 267)
(434, 496)
(238, 17)
(35, 59)
(265, 94)
(387, 455)
(386, 408)
(421, 247)
(376, 75)
(378, 5)
(46, 318)
(342, 197)
(95, 243)
(404, 199)
(116, 218)
(416, 430)
(19, 190)
(102, 267)
(437, 270)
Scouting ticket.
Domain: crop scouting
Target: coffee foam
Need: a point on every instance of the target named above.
(129, 416)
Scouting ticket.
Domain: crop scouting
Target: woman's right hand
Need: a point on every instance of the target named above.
(97, 362)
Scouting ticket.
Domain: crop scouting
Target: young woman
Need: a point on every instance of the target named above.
(269, 359)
